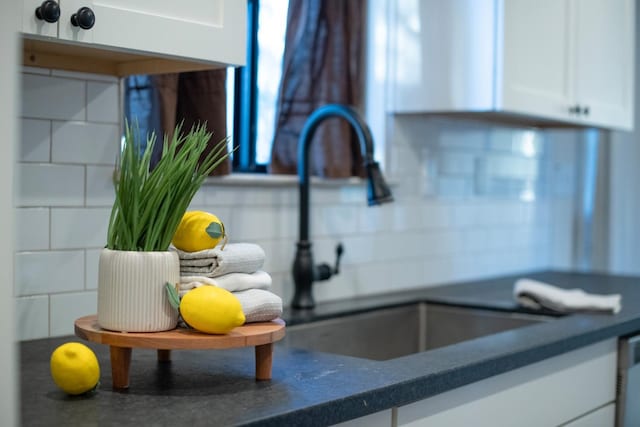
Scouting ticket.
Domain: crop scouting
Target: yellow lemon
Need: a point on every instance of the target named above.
(211, 309)
(74, 368)
(197, 231)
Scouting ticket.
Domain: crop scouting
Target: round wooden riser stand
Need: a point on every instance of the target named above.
(259, 335)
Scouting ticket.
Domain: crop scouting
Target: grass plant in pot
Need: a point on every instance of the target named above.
(149, 203)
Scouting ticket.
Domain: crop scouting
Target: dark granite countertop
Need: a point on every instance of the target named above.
(311, 388)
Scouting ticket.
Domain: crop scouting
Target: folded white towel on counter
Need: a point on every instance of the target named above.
(259, 305)
(535, 295)
(232, 282)
(234, 258)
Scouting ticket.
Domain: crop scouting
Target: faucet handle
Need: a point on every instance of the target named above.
(339, 252)
(324, 271)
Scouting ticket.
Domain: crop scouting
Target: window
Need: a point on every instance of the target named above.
(252, 90)
(256, 86)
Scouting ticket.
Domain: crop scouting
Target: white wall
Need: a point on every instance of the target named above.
(458, 213)
(8, 136)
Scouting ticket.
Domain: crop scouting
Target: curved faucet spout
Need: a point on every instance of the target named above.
(304, 270)
(378, 190)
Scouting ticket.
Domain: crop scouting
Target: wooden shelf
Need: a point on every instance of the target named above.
(69, 56)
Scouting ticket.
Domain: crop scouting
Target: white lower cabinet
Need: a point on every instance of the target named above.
(602, 417)
(379, 419)
(552, 392)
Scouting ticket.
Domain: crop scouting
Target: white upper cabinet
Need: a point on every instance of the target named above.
(136, 35)
(543, 61)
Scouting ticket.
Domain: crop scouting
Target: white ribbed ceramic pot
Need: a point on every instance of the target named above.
(131, 290)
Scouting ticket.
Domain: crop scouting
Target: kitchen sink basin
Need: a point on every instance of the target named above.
(387, 333)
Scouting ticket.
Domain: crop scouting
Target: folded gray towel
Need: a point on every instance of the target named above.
(231, 282)
(234, 258)
(259, 305)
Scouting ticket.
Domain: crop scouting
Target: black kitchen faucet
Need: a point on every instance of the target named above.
(305, 272)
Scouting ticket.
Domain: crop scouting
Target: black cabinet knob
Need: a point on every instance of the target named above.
(48, 11)
(83, 18)
(585, 111)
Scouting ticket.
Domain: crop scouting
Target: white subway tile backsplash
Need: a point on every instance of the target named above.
(472, 140)
(463, 214)
(339, 287)
(501, 166)
(455, 186)
(103, 103)
(282, 285)
(279, 255)
(406, 216)
(66, 308)
(53, 98)
(375, 279)
(476, 239)
(85, 76)
(92, 258)
(358, 249)
(438, 270)
(454, 163)
(35, 145)
(457, 213)
(32, 317)
(378, 219)
(100, 187)
(259, 224)
(76, 228)
(437, 215)
(408, 245)
(238, 196)
(405, 274)
(48, 272)
(334, 220)
(50, 185)
(82, 142)
(32, 229)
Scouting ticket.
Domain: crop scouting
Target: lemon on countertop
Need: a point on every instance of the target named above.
(75, 368)
(197, 231)
(208, 309)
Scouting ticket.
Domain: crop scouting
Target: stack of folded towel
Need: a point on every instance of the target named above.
(536, 295)
(235, 267)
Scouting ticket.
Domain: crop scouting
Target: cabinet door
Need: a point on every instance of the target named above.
(536, 62)
(207, 30)
(441, 55)
(33, 25)
(605, 61)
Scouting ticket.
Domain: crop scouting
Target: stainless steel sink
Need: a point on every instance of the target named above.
(388, 333)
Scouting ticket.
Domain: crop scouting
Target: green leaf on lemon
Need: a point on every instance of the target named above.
(215, 230)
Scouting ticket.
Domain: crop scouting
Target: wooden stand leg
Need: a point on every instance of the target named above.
(264, 359)
(120, 363)
(164, 355)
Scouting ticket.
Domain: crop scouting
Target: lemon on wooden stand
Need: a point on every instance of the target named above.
(208, 309)
(75, 368)
(197, 231)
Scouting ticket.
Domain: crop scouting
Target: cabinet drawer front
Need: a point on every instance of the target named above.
(603, 417)
(551, 392)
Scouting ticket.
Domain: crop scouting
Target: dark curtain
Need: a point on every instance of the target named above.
(195, 97)
(322, 64)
